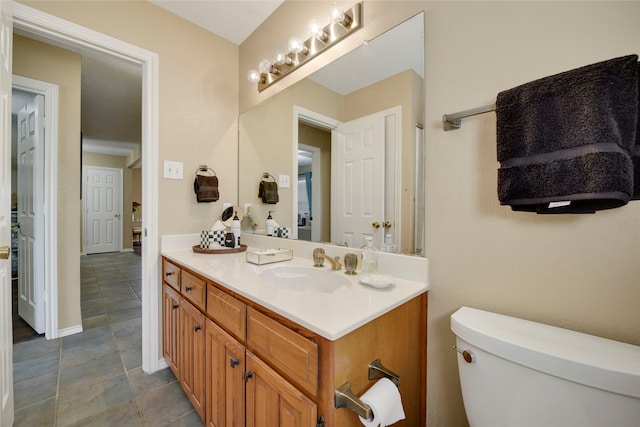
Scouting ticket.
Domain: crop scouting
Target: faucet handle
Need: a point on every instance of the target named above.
(318, 257)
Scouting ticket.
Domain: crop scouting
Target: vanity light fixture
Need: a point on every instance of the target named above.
(343, 23)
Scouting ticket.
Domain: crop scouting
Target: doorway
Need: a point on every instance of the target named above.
(49, 27)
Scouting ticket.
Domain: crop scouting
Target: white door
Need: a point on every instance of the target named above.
(103, 209)
(6, 340)
(30, 206)
(358, 181)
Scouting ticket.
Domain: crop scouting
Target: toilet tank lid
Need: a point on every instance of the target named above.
(594, 361)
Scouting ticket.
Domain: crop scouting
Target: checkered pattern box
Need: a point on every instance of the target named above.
(204, 239)
(216, 238)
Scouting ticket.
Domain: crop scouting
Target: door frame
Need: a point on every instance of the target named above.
(36, 22)
(49, 237)
(301, 114)
(85, 176)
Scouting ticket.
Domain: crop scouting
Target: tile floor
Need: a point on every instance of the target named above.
(95, 378)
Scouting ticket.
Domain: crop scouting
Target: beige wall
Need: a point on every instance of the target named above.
(198, 111)
(576, 271)
(198, 99)
(267, 134)
(43, 62)
(117, 162)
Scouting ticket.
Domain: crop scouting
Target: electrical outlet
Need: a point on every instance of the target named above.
(173, 170)
(226, 205)
(283, 181)
(247, 207)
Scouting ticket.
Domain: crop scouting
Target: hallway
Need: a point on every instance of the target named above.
(95, 378)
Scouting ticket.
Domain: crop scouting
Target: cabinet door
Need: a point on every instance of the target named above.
(192, 355)
(225, 364)
(272, 401)
(170, 344)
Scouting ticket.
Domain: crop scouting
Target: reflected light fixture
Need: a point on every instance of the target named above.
(343, 23)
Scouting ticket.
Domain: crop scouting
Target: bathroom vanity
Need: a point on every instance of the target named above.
(250, 351)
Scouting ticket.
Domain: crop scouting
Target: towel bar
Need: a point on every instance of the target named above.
(454, 121)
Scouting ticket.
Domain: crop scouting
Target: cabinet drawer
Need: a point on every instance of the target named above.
(171, 274)
(292, 354)
(227, 311)
(194, 289)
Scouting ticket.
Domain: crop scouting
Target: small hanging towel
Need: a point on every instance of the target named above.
(564, 142)
(268, 190)
(206, 186)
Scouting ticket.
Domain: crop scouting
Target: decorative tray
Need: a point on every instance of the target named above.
(199, 250)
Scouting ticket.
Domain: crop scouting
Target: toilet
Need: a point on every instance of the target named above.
(519, 373)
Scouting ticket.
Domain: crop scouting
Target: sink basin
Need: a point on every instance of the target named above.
(305, 279)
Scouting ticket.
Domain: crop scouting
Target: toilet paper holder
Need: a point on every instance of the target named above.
(344, 397)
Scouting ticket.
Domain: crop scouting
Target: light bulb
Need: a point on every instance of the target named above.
(283, 58)
(265, 66)
(339, 17)
(317, 31)
(253, 76)
(296, 46)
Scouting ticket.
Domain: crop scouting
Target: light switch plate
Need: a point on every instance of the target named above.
(173, 170)
(283, 181)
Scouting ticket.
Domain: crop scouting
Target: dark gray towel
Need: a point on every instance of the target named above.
(206, 188)
(568, 138)
(635, 154)
(268, 192)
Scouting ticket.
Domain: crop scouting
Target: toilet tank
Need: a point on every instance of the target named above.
(529, 374)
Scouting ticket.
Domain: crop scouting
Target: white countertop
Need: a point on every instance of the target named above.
(330, 315)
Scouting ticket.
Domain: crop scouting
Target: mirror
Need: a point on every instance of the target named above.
(347, 139)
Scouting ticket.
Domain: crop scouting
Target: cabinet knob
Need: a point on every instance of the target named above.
(197, 328)
(188, 288)
(247, 376)
(169, 273)
(234, 362)
(175, 306)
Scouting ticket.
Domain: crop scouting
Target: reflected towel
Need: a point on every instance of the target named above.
(564, 142)
(268, 192)
(635, 155)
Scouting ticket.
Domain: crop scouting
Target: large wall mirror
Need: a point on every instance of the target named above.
(348, 137)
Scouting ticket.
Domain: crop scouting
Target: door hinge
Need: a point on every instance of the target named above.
(320, 422)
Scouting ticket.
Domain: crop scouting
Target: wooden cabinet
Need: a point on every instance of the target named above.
(191, 342)
(243, 365)
(274, 402)
(225, 387)
(170, 306)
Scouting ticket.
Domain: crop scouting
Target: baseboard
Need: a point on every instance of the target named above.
(162, 363)
(70, 331)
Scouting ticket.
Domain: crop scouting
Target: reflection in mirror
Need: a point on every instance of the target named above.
(347, 138)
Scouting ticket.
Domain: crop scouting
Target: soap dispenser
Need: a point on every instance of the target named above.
(369, 258)
(271, 224)
(388, 245)
(235, 229)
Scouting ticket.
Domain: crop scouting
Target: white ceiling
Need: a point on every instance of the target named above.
(233, 20)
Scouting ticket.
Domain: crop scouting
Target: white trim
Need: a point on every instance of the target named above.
(72, 330)
(51, 27)
(324, 122)
(49, 210)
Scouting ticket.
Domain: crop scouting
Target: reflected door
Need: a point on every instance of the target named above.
(357, 181)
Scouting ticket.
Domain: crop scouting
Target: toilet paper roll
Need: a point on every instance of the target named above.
(385, 402)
